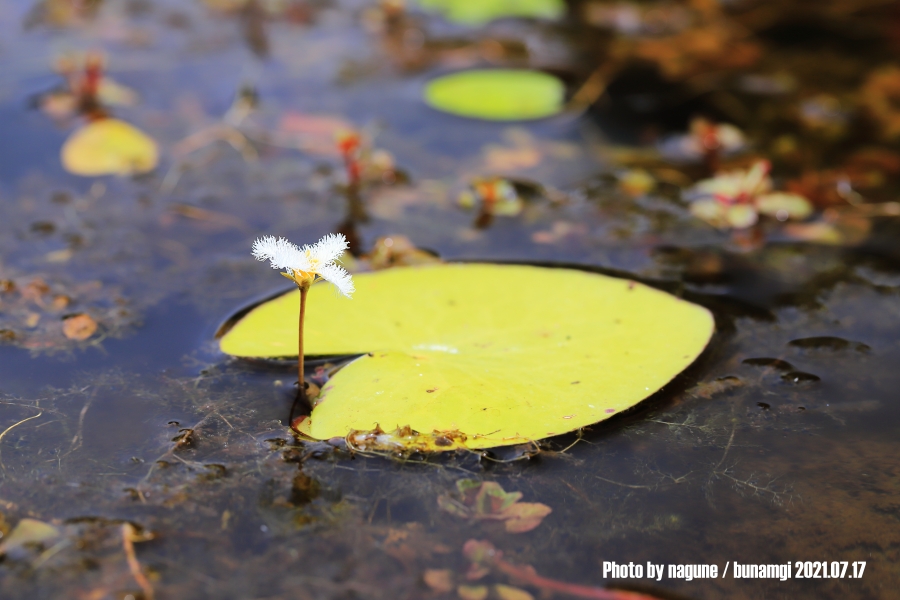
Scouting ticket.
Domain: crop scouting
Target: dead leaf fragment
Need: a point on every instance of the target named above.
(525, 516)
(79, 327)
(708, 389)
(439, 580)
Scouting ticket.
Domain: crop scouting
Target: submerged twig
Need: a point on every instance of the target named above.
(78, 438)
(628, 485)
(49, 553)
(10, 428)
(727, 448)
(133, 565)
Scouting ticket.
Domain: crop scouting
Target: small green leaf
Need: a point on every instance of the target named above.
(492, 500)
(497, 94)
(741, 216)
(468, 488)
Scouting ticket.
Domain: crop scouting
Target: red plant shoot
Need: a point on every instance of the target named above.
(349, 144)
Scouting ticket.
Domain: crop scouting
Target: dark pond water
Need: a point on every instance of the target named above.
(778, 445)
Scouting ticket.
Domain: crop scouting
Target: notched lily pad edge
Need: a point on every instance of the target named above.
(280, 362)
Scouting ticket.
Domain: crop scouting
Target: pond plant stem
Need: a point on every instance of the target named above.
(483, 553)
(301, 383)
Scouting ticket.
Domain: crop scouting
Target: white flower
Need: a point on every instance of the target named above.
(304, 265)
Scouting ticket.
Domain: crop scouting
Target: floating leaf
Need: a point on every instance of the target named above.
(784, 206)
(480, 355)
(109, 147)
(737, 216)
(26, 533)
(483, 11)
(495, 195)
(497, 94)
(439, 580)
(636, 182)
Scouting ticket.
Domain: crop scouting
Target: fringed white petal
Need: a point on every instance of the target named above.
(341, 279)
(264, 247)
(275, 250)
(280, 253)
(329, 248)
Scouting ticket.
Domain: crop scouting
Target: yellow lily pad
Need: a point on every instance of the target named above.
(109, 147)
(479, 355)
(468, 12)
(497, 94)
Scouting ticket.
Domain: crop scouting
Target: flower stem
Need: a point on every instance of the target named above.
(304, 288)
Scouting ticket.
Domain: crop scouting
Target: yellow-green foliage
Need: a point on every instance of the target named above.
(497, 354)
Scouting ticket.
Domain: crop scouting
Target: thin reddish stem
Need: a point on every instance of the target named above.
(301, 383)
(485, 554)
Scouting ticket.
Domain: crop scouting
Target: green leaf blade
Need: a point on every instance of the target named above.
(497, 94)
(504, 354)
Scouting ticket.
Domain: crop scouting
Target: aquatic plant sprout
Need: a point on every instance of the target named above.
(735, 199)
(304, 266)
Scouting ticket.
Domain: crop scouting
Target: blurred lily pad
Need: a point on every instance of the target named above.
(497, 94)
(484, 11)
(479, 355)
(28, 532)
(109, 147)
(784, 206)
